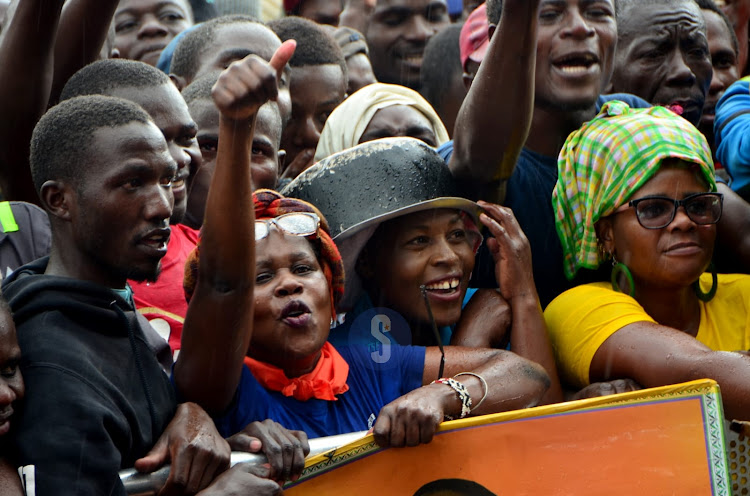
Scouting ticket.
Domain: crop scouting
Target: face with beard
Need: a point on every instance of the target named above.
(170, 113)
(120, 213)
(397, 35)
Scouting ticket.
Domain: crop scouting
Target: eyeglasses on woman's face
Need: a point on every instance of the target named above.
(657, 212)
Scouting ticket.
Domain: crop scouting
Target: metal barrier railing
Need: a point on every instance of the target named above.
(138, 484)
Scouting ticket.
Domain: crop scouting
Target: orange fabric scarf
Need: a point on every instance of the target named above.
(326, 380)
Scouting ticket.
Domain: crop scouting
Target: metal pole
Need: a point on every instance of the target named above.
(138, 484)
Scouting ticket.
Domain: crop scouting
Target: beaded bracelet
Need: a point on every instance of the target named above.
(484, 385)
(461, 391)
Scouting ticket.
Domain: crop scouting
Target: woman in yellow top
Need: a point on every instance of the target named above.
(636, 187)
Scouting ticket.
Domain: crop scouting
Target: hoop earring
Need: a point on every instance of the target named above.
(706, 297)
(619, 268)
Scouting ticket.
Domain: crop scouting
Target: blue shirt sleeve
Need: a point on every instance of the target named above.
(731, 134)
(446, 151)
(632, 100)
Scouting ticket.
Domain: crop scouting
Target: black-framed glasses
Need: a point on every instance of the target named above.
(294, 223)
(657, 212)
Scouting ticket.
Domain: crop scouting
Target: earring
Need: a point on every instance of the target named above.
(603, 254)
(622, 269)
(706, 297)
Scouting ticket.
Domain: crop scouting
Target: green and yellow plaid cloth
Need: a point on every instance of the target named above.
(608, 159)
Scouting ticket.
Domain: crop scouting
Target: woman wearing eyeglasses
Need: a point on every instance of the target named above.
(637, 190)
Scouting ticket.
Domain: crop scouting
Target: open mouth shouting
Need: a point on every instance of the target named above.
(296, 314)
(413, 60)
(577, 64)
(154, 242)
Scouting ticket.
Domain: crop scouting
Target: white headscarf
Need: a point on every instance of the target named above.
(349, 120)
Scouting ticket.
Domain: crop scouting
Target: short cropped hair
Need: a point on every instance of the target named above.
(457, 486)
(442, 59)
(62, 138)
(189, 49)
(203, 10)
(200, 89)
(623, 7)
(494, 11)
(104, 76)
(710, 5)
(315, 46)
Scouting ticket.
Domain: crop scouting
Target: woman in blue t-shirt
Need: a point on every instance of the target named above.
(294, 376)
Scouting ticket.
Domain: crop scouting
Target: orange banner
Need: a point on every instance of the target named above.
(652, 442)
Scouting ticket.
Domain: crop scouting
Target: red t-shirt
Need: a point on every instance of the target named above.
(163, 302)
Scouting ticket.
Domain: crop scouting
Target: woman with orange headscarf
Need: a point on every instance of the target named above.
(284, 275)
(294, 376)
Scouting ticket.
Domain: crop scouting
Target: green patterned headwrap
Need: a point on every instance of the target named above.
(608, 159)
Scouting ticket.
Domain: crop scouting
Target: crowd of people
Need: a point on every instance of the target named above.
(239, 224)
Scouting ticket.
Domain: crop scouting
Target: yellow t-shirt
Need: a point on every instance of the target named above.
(582, 318)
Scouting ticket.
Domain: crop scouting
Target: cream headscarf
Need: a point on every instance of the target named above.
(346, 124)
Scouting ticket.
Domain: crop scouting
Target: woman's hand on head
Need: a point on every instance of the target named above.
(414, 418)
(249, 83)
(511, 251)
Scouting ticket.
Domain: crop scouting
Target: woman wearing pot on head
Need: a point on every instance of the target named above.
(637, 188)
(376, 111)
(274, 272)
(264, 281)
(408, 242)
(293, 376)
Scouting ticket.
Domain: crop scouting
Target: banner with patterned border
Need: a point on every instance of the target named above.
(667, 440)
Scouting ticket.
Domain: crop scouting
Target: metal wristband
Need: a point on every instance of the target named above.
(461, 391)
(484, 385)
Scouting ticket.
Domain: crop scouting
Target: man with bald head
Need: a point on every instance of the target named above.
(663, 55)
